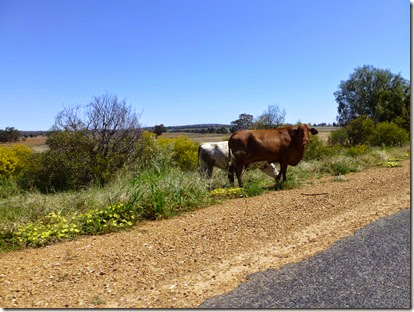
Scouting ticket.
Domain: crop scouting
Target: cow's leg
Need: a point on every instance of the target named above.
(283, 167)
(231, 173)
(210, 171)
(239, 171)
(202, 169)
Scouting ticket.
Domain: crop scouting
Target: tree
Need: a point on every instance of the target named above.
(245, 121)
(376, 93)
(92, 142)
(273, 117)
(159, 129)
(10, 134)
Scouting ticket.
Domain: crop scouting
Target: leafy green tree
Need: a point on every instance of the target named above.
(245, 121)
(159, 129)
(376, 93)
(10, 134)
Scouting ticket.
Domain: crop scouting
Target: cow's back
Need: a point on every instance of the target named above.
(260, 145)
(215, 153)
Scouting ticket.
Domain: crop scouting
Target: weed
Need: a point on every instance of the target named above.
(97, 301)
(253, 188)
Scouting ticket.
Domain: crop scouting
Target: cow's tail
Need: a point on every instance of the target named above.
(198, 154)
(230, 166)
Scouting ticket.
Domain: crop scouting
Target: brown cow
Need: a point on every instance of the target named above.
(283, 145)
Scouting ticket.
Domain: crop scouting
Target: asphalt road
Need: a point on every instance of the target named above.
(370, 269)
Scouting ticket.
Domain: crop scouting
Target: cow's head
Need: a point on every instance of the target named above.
(301, 133)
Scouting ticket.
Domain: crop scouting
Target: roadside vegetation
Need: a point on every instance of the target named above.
(102, 173)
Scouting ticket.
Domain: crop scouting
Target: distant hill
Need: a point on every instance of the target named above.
(33, 133)
(198, 128)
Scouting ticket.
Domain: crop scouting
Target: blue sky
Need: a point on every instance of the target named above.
(192, 61)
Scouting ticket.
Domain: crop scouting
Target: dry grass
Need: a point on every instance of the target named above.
(198, 137)
(324, 132)
(38, 144)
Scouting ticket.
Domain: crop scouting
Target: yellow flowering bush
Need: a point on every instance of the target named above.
(184, 151)
(13, 158)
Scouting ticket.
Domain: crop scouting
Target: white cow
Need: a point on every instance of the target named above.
(216, 154)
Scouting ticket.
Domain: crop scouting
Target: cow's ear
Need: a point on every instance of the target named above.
(313, 131)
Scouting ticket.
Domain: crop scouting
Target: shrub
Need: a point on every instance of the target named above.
(184, 152)
(389, 134)
(90, 144)
(356, 150)
(13, 159)
(359, 130)
(152, 153)
(317, 149)
(339, 137)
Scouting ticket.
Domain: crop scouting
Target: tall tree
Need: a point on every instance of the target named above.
(376, 93)
(244, 121)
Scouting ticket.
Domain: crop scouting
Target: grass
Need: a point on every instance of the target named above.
(35, 219)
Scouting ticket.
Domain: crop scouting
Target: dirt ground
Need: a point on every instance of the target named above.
(182, 261)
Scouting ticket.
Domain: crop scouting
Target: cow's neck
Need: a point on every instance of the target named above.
(296, 153)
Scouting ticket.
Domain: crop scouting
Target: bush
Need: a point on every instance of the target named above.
(359, 130)
(357, 150)
(317, 149)
(88, 145)
(184, 152)
(13, 159)
(152, 154)
(338, 137)
(389, 134)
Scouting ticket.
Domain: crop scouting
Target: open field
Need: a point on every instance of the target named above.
(324, 133)
(38, 144)
(198, 137)
(181, 262)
